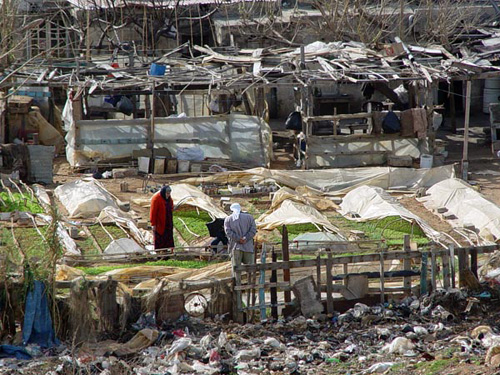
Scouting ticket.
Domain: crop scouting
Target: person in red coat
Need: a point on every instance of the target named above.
(161, 216)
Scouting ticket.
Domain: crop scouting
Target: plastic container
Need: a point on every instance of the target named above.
(426, 161)
(157, 70)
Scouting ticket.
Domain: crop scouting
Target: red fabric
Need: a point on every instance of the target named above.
(161, 213)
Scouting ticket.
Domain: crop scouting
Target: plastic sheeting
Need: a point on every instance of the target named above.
(323, 152)
(372, 203)
(336, 181)
(113, 215)
(313, 241)
(469, 206)
(240, 138)
(301, 195)
(122, 247)
(290, 213)
(83, 199)
(191, 195)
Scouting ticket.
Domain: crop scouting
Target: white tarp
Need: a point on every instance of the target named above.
(122, 247)
(302, 196)
(338, 181)
(83, 199)
(313, 241)
(290, 213)
(113, 215)
(469, 206)
(191, 195)
(372, 203)
(236, 137)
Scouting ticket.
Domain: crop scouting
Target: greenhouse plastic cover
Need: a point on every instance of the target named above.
(335, 181)
(468, 205)
(83, 199)
(372, 203)
(291, 212)
(301, 195)
(315, 240)
(191, 195)
(236, 137)
(122, 247)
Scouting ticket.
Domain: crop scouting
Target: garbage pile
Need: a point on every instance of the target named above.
(413, 336)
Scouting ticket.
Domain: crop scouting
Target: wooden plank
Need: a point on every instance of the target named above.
(446, 271)
(452, 265)
(318, 276)
(423, 274)
(274, 293)
(286, 271)
(342, 116)
(329, 285)
(433, 270)
(407, 264)
(473, 262)
(262, 280)
(345, 269)
(382, 278)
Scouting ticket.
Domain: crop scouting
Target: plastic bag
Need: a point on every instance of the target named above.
(294, 121)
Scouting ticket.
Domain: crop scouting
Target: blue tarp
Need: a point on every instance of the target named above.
(37, 328)
(14, 351)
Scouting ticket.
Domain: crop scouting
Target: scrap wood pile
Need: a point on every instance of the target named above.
(338, 61)
(439, 331)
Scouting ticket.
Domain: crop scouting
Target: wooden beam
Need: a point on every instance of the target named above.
(465, 155)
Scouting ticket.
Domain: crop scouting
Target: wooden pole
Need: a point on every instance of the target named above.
(329, 284)
(407, 265)
(318, 276)
(274, 292)
(433, 270)
(262, 281)
(465, 156)
(423, 274)
(382, 277)
(453, 114)
(286, 271)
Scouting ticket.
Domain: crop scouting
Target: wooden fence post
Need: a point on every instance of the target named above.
(407, 265)
(286, 272)
(329, 284)
(274, 292)
(423, 274)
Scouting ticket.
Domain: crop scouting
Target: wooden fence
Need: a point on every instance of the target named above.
(429, 267)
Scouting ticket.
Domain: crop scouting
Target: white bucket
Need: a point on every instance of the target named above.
(490, 96)
(182, 166)
(426, 161)
(492, 83)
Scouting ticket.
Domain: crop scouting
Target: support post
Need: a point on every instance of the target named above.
(423, 273)
(433, 270)
(465, 156)
(318, 276)
(286, 271)
(382, 277)
(274, 292)
(473, 261)
(406, 265)
(329, 284)
(446, 271)
(262, 280)
(452, 264)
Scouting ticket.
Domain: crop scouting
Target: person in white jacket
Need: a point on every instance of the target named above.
(240, 230)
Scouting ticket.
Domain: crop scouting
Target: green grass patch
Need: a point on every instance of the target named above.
(188, 264)
(392, 229)
(29, 241)
(19, 202)
(195, 221)
(435, 367)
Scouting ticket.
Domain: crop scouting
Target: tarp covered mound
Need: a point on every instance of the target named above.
(313, 241)
(290, 213)
(371, 203)
(83, 199)
(191, 195)
(469, 206)
(338, 181)
(302, 195)
(122, 247)
(114, 215)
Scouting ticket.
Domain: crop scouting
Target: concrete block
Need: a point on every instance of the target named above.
(448, 216)
(172, 166)
(196, 168)
(124, 186)
(357, 286)
(400, 161)
(124, 206)
(305, 291)
(159, 167)
(441, 210)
